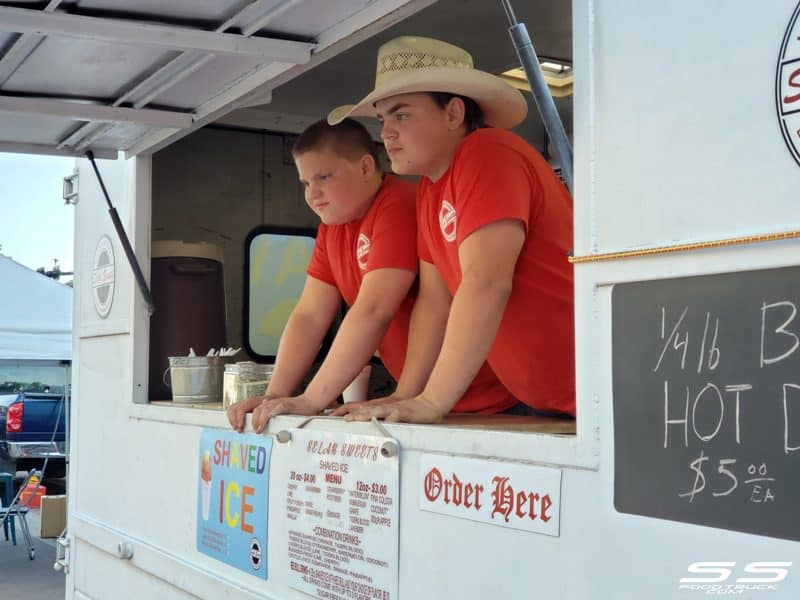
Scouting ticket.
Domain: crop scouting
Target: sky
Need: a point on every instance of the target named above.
(35, 224)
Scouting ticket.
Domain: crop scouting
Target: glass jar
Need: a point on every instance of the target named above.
(253, 379)
(230, 382)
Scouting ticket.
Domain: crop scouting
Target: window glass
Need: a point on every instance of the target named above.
(275, 272)
(25, 378)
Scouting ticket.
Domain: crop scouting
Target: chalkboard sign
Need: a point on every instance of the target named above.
(707, 400)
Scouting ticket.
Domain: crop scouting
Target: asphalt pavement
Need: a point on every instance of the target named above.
(23, 578)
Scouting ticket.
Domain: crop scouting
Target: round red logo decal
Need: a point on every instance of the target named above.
(787, 86)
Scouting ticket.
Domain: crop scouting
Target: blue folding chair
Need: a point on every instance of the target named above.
(7, 497)
(13, 510)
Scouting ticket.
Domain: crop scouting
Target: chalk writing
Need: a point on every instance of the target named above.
(706, 400)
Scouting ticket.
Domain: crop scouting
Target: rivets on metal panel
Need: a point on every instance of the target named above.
(389, 449)
(125, 550)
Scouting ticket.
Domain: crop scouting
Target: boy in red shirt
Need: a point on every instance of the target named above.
(494, 229)
(364, 253)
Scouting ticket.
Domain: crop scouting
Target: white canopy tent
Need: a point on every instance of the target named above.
(36, 315)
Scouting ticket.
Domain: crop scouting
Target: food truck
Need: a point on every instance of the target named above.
(679, 476)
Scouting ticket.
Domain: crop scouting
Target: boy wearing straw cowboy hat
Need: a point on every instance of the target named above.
(365, 253)
(494, 228)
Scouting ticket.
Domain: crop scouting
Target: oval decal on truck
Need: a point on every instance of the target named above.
(103, 277)
(787, 86)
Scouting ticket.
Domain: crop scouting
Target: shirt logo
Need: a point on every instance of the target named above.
(362, 251)
(447, 221)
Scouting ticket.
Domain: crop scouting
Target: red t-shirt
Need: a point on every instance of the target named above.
(496, 175)
(385, 237)
(382, 238)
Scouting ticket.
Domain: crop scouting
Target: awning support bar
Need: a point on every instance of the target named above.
(541, 94)
(123, 238)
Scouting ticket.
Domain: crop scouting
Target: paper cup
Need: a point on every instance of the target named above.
(357, 390)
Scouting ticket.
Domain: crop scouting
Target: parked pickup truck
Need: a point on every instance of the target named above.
(27, 423)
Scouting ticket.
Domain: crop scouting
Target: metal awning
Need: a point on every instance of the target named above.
(100, 75)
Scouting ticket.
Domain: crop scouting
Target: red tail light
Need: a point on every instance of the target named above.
(14, 417)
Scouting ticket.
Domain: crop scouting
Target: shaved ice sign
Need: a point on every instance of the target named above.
(232, 498)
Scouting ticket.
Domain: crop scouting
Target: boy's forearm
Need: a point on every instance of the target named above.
(425, 335)
(356, 341)
(475, 316)
(297, 349)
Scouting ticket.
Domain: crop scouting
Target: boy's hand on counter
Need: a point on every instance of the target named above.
(272, 407)
(419, 409)
(353, 407)
(237, 412)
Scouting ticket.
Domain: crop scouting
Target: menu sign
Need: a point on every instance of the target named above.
(707, 400)
(342, 512)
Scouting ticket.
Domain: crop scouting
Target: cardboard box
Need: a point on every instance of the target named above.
(54, 516)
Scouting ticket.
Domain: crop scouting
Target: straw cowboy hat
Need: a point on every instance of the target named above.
(418, 64)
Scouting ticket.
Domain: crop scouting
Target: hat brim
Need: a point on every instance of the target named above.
(503, 106)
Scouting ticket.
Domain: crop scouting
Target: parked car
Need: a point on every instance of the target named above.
(34, 429)
(5, 401)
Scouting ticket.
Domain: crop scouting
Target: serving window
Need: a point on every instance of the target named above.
(233, 185)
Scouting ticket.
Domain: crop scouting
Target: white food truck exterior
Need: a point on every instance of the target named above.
(683, 134)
